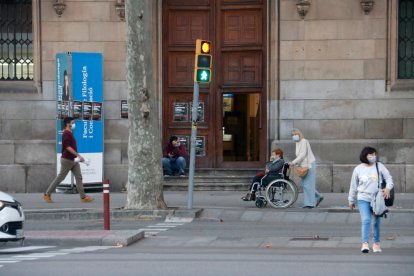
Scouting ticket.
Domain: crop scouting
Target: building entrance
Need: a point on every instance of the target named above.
(232, 108)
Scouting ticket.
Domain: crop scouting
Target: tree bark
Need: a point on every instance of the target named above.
(145, 187)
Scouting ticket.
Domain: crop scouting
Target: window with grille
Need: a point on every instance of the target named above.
(406, 39)
(16, 40)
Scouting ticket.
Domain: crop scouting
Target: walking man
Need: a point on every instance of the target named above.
(67, 161)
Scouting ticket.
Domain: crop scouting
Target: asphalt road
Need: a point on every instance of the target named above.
(143, 260)
(214, 247)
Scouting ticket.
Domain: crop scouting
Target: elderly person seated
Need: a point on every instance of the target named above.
(273, 170)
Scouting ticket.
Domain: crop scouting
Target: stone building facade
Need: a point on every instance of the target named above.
(335, 74)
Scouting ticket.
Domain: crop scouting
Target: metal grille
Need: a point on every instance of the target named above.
(406, 39)
(16, 40)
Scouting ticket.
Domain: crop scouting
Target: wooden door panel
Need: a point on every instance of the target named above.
(242, 28)
(180, 69)
(242, 68)
(179, 102)
(186, 26)
(239, 2)
(180, 3)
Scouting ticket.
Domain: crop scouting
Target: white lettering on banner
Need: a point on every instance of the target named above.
(85, 130)
(91, 129)
(84, 81)
(60, 88)
(60, 92)
(90, 93)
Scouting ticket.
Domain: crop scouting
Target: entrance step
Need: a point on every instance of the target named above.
(213, 180)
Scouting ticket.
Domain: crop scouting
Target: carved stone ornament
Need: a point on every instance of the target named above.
(303, 7)
(367, 5)
(59, 7)
(120, 9)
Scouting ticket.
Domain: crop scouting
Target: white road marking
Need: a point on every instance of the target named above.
(169, 223)
(178, 219)
(35, 256)
(85, 249)
(25, 248)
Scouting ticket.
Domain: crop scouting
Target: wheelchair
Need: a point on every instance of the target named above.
(278, 191)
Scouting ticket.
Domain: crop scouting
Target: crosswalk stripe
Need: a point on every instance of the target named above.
(34, 256)
(25, 248)
(9, 262)
(154, 229)
(165, 225)
(85, 249)
(178, 219)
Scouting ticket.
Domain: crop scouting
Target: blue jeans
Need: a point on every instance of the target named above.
(171, 165)
(366, 216)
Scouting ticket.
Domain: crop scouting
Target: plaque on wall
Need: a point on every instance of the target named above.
(200, 146)
(180, 112)
(87, 110)
(200, 111)
(64, 110)
(77, 110)
(124, 109)
(184, 140)
(96, 111)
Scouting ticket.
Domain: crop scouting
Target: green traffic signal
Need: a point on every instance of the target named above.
(203, 75)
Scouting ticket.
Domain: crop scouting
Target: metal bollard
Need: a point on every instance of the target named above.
(105, 185)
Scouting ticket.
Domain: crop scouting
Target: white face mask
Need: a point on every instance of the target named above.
(177, 144)
(296, 138)
(73, 126)
(372, 159)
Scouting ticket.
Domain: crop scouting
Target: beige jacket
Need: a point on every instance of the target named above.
(304, 154)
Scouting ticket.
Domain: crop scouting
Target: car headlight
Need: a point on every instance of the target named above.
(1, 204)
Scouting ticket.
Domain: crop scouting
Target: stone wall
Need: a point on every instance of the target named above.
(329, 80)
(333, 88)
(27, 137)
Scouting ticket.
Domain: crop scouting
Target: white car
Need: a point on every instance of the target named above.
(11, 219)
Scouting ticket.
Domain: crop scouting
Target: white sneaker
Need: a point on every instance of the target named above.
(376, 247)
(365, 247)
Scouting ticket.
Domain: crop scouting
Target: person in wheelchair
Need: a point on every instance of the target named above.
(273, 170)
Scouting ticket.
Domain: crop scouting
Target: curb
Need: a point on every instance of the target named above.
(90, 214)
(84, 237)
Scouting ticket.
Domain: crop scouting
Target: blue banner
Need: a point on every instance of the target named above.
(79, 94)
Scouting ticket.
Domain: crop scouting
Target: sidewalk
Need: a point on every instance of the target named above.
(177, 200)
(207, 205)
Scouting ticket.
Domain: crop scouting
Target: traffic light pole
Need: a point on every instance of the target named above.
(194, 122)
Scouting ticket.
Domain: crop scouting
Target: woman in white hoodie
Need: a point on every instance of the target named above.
(305, 158)
(364, 186)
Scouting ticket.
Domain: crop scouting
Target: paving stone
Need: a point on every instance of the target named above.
(252, 216)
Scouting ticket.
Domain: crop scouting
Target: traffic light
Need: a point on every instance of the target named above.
(203, 60)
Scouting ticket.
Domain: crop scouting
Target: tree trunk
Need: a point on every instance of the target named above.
(145, 187)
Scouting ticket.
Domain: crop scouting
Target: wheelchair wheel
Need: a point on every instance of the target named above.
(281, 193)
(260, 202)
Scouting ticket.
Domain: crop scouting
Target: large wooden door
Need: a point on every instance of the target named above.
(232, 109)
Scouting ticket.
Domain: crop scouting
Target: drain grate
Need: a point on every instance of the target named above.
(309, 239)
